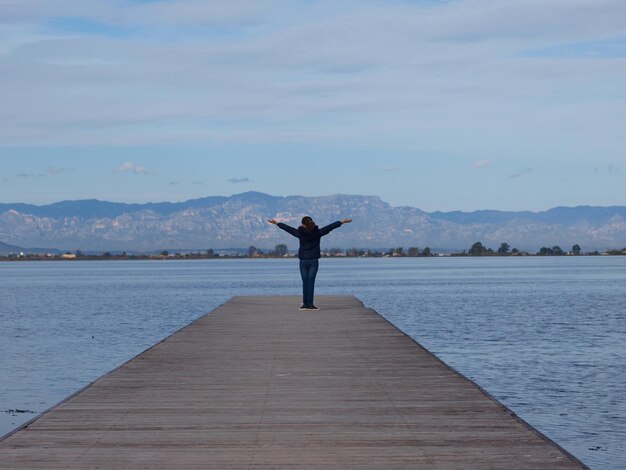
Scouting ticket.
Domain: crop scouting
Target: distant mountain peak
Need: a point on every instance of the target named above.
(240, 220)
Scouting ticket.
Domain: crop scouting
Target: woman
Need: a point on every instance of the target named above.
(309, 235)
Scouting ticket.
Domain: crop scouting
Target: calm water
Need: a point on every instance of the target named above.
(546, 336)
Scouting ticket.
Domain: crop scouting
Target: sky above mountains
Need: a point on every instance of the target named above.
(441, 105)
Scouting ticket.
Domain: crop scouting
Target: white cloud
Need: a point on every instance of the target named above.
(192, 70)
(480, 164)
(128, 166)
(136, 169)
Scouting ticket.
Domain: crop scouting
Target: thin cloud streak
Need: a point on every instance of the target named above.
(521, 173)
(55, 171)
(614, 170)
(50, 171)
(387, 169)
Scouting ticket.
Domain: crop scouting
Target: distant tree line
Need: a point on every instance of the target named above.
(478, 249)
(281, 250)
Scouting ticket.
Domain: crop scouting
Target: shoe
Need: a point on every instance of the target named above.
(312, 307)
(303, 307)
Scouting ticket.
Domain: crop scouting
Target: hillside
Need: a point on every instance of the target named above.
(240, 221)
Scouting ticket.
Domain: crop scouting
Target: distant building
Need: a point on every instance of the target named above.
(68, 256)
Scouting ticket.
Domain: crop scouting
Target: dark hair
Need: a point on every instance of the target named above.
(307, 222)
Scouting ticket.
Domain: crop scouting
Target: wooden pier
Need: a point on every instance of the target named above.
(259, 384)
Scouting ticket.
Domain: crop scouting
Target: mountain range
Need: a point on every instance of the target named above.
(241, 220)
(6, 249)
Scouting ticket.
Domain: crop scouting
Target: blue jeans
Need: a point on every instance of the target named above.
(308, 271)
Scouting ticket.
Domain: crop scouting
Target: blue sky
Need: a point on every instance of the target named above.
(441, 105)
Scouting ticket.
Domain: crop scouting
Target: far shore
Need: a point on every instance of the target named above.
(231, 254)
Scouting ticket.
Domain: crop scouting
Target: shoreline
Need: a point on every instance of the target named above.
(62, 258)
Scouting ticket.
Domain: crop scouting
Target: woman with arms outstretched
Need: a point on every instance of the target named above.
(309, 253)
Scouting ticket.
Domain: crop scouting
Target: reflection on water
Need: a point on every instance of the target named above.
(544, 335)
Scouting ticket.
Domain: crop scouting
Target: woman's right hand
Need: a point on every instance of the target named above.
(273, 221)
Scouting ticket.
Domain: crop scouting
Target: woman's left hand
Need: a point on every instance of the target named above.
(346, 221)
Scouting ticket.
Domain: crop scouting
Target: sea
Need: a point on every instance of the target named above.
(544, 335)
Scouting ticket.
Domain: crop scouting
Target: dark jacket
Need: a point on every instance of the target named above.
(309, 239)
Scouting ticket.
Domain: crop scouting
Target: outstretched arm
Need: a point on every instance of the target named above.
(285, 227)
(334, 225)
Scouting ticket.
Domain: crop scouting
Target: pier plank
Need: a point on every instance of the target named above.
(259, 384)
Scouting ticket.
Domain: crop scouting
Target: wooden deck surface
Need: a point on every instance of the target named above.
(259, 384)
